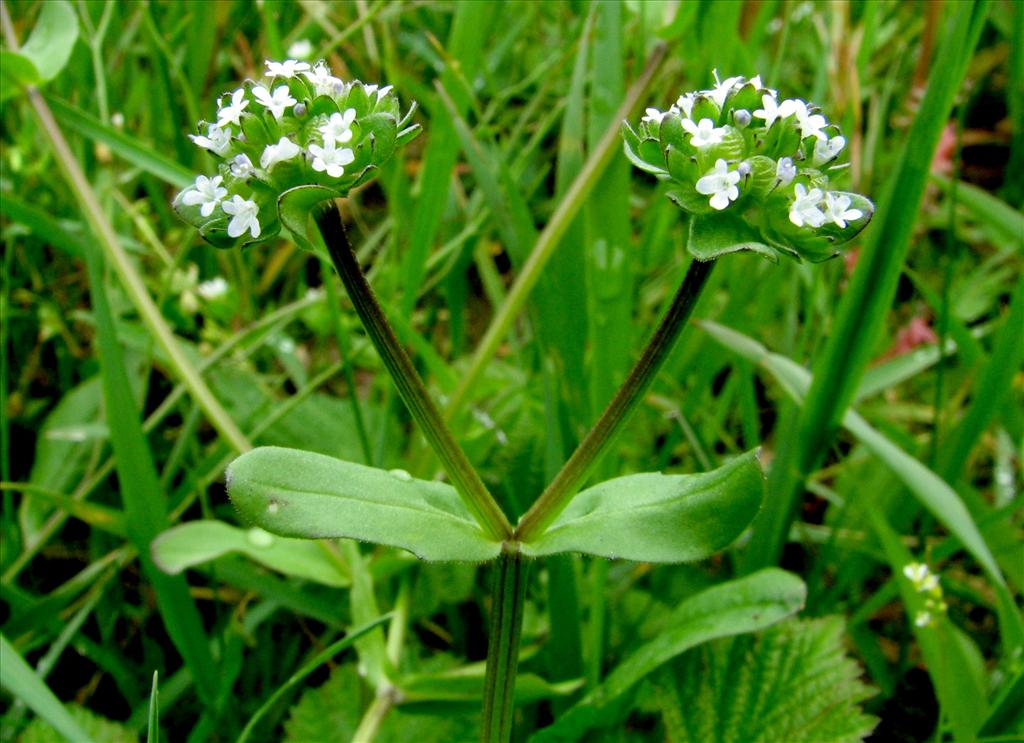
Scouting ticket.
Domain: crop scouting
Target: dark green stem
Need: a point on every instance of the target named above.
(574, 473)
(509, 595)
(411, 388)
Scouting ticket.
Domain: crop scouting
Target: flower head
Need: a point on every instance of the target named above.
(704, 133)
(207, 194)
(213, 288)
(300, 49)
(288, 68)
(804, 211)
(323, 81)
(826, 150)
(837, 209)
(275, 102)
(216, 140)
(231, 113)
(273, 154)
(723, 88)
(330, 159)
(338, 129)
(720, 184)
(245, 216)
(654, 116)
(773, 110)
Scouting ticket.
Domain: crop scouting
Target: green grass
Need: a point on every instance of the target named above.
(524, 264)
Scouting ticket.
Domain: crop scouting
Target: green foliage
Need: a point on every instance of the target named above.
(653, 517)
(46, 51)
(92, 725)
(791, 682)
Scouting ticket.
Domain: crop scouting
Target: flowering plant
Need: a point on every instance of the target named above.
(753, 171)
(302, 135)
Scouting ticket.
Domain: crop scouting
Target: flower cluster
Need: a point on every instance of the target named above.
(299, 127)
(926, 582)
(738, 151)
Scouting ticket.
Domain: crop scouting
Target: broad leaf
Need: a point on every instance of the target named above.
(652, 517)
(198, 542)
(792, 682)
(717, 234)
(739, 606)
(53, 39)
(295, 493)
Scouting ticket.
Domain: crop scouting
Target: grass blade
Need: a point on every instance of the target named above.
(153, 727)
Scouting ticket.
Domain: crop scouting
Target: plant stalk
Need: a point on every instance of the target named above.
(574, 473)
(509, 596)
(411, 388)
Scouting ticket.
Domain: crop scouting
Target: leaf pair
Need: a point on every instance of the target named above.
(647, 517)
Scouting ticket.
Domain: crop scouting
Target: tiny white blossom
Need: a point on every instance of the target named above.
(213, 288)
(230, 113)
(837, 209)
(826, 150)
(654, 116)
(923, 619)
(241, 166)
(804, 209)
(704, 133)
(276, 102)
(216, 140)
(771, 110)
(288, 68)
(330, 159)
(301, 49)
(915, 572)
(381, 92)
(810, 124)
(323, 81)
(785, 170)
(207, 194)
(723, 88)
(338, 129)
(720, 184)
(285, 149)
(685, 103)
(744, 169)
(245, 212)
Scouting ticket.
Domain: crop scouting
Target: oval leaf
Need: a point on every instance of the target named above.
(198, 542)
(714, 235)
(653, 517)
(295, 493)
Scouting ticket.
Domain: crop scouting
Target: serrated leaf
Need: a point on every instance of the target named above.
(295, 493)
(739, 606)
(653, 517)
(792, 682)
(717, 234)
(197, 542)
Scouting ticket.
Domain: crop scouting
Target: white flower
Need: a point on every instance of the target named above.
(285, 149)
(331, 160)
(338, 128)
(723, 88)
(230, 113)
(654, 116)
(837, 209)
(301, 49)
(720, 184)
(241, 166)
(915, 572)
(923, 619)
(245, 214)
(381, 92)
(288, 68)
(278, 102)
(212, 289)
(704, 133)
(785, 170)
(804, 209)
(826, 150)
(810, 124)
(207, 194)
(771, 110)
(323, 81)
(685, 103)
(216, 140)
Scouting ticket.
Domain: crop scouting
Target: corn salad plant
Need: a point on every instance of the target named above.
(571, 453)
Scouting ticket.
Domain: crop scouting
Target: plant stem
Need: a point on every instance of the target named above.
(574, 473)
(374, 716)
(509, 595)
(411, 388)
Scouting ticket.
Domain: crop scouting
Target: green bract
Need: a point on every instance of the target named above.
(301, 135)
(753, 171)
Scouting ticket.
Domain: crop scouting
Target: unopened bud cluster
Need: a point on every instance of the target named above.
(301, 126)
(737, 149)
(927, 583)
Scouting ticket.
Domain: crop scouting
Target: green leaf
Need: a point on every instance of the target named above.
(653, 517)
(16, 72)
(718, 234)
(466, 684)
(792, 682)
(96, 727)
(53, 39)
(197, 542)
(739, 606)
(153, 720)
(294, 493)
(294, 208)
(21, 682)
